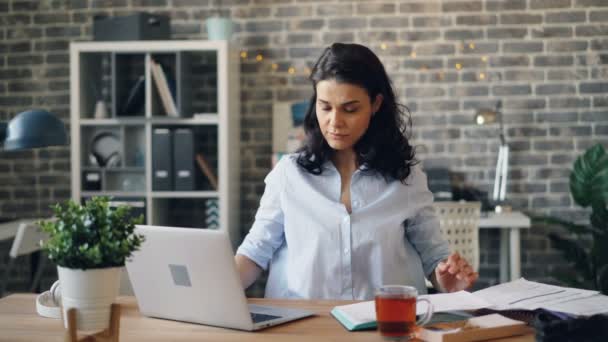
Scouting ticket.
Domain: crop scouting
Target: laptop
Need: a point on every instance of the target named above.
(188, 274)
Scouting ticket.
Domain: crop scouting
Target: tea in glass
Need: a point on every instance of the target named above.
(396, 311)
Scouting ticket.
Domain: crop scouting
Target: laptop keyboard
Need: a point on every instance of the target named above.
(258, 317)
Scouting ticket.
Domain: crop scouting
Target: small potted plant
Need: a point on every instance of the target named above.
(218, 27)
(89, 244)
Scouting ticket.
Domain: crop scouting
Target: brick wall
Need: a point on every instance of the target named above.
(545, 59)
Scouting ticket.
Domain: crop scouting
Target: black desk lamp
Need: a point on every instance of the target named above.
(31, 129)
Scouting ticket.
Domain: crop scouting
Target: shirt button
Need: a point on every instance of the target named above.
(345, 219)
(356, 204)
(345, 250)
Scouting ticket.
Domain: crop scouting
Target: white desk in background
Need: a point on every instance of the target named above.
(510, 223)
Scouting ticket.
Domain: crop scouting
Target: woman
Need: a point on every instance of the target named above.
(351, 210)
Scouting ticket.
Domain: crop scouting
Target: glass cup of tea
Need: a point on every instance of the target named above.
(396, 311)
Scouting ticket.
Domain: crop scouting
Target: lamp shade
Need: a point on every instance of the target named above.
(34, 128)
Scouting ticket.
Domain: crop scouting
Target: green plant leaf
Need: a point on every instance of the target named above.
(599, 183)
(571, 227)
(91, 235)
(582, 176)
(576, 253)
(570, 280)
(602, 279)
(599, 219)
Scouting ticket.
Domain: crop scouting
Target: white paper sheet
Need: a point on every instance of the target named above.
(529, 295)
(461, 300)
(586, 306)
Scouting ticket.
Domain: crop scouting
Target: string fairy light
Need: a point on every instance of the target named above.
(306, 71)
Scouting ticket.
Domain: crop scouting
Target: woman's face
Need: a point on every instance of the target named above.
(343, 111)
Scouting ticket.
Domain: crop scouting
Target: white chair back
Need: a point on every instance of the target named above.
(459, 225)
(27, 240)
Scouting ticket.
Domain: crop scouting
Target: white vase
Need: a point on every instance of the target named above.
(101, 111)
(91, 292)
(219, 28)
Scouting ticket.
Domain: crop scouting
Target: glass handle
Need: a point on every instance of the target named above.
(429, 311)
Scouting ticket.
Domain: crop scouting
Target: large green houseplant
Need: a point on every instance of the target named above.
(586, 246)
(90, 244)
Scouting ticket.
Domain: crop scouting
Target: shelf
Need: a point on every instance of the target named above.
(203, 80)
(115, 169)
(139, 46)
(113, 122)
(200, 119)
(185, 194)
(113, 193)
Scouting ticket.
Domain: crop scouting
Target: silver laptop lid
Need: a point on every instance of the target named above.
(188, 274)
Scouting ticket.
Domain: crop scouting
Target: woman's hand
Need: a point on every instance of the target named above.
(454, 274)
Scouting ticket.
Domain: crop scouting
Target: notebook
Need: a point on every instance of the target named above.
(360, 316)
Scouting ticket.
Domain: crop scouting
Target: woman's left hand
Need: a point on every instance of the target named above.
(455, 274)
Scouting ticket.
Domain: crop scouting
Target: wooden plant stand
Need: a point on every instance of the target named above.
(108, 335)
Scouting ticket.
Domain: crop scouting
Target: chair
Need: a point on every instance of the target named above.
(459, 225)
(27, 240)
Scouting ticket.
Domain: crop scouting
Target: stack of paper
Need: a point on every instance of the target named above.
(522, 294)
(516, 295)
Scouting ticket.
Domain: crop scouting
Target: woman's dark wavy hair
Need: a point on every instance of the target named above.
(384, 148)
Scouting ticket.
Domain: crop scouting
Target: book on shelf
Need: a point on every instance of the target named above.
(134, 101)
(162, 163)
(160, 80)
(183, 161)
(206, 168)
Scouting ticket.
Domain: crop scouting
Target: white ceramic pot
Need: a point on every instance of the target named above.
(91, 292)
(219, 28)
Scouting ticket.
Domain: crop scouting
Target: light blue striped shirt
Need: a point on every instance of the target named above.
(315, 249)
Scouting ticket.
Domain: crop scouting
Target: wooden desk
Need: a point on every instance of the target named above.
(510, 252)
(19, 322)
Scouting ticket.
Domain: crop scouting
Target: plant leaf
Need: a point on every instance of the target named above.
(568, 279)
(571, 227)
(599, 219)
(599, 183)
(576, 253)
(602, 279)
(585, 167)
(91, 235)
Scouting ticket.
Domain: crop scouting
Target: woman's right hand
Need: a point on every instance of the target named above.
(248, 270)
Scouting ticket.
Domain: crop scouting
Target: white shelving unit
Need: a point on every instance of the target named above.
(207, 95)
